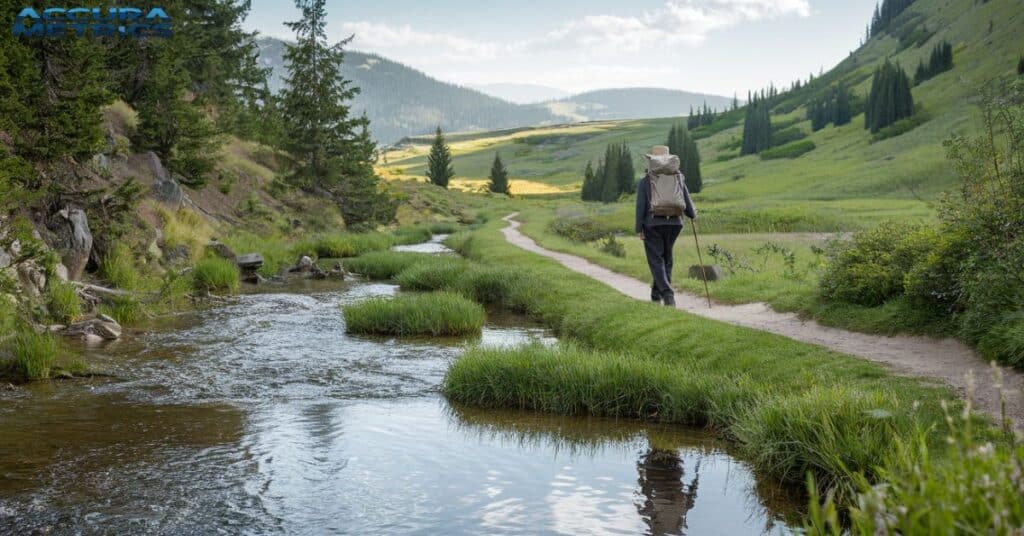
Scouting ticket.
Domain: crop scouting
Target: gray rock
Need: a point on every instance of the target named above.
(176, 254)
(5, 258)
(220, 250)
(32, 277)
(101, 161)
(61, 272)
(713, 271)
(250, 261)
(164, 187)
(304, 264)
(71, 238)
(106, 318)
(103, 327)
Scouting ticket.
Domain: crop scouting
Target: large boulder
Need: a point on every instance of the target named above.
(164, 187)
(250, 262)
(71, 239)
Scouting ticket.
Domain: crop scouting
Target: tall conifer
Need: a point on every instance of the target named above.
(499, 176)
(439, 161)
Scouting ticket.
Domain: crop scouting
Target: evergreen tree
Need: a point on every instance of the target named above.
(610, 179)
(1020, 66)
(626, 171)
(318, 128)
(843, 113)
(890, 99)
(757, 126)
(439, 161)
(885, 14)
(689, 157)
(589, 191)
(940, 61)
(499, 176)
(360, 199)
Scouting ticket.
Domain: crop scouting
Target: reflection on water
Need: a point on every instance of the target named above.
(264, 417)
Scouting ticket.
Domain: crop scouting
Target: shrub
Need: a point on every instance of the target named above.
(870, 268)
(185, 228)
(787, 136)
(62, 301)
(118, 267)
(613, 247)
(582, 228)
(790, 150)
(383, 264)
(901, 127)
(934, 282)
(34, 354)
(436, 313)
(438, 273)
(215, 275)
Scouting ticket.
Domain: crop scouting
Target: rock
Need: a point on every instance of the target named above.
(164, 187)
(54, 328)
(304, 264)
(61, 272)
(220, 250)
(106, 318)
(32, 277)
(91, 339)
(250, 261)
(254, 279)
(5, 258)
(713, 271)
(176, 254)
(337, 272)
(101, 161)
(103, 327)
(71, 239)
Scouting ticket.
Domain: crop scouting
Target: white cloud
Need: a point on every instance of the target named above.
(384, 39)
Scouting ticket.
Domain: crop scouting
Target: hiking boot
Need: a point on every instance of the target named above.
(669, 299)
(655, 295)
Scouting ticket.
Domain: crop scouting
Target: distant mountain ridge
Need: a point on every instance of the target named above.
(522, 93)
(401, 101)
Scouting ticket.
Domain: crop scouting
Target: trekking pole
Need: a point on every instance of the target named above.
(704, 274)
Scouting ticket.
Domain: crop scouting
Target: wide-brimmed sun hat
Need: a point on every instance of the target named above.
(658, 150)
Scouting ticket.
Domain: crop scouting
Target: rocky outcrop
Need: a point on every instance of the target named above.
(71, 238)
(32, 277)
(165, 189)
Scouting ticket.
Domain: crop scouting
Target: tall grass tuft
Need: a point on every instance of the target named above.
(383, 264)
(62, 301)
(118, 268)
(493, 285)
(342, 245)
(215, 275)
(127, 311)
(34, 354)
(442, 272)
(436, 313)
(413, 234)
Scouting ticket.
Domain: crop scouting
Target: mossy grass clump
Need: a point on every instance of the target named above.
(383, 264)
(214, 274)
(442, 272)
(118, 268)
(435, 313)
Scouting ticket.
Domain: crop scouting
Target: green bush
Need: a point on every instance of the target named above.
(787, 136)
(901, 127)
(62, 301)
(118, 268)
(383, 264)
(582, 228)
(613, 247)
(790, 150)
(437, 273)
(934, 282)
(435, 313)
(214, 274)
(870, 268)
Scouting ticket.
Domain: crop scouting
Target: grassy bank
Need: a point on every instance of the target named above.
(433, 313)
(795, 408)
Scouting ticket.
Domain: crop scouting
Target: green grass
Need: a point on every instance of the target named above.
(62, 301)
(214, 274)
(383, 264)
(35, 354)
(435, 313)
(437, 273)
(789, 150)
(127, 311)
(635, 359)
(118, 268)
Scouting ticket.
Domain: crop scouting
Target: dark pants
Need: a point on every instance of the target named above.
(658, 242)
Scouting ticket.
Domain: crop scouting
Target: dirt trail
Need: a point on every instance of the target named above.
(947, 360)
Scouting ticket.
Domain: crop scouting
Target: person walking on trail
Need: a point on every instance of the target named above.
(662, 199)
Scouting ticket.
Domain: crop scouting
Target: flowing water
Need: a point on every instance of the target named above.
(264, 417)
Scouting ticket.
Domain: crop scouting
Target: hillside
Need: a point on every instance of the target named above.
(848, 180)
(521, 93)
(401, 101)
(633, 103)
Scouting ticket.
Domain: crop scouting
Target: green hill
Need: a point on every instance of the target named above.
(847, 181)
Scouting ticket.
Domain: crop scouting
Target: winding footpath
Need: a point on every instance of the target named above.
(945, 360)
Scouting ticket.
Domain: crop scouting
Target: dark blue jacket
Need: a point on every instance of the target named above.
(643, 208)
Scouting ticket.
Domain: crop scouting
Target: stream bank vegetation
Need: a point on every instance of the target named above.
(430, 313)
(795, 409)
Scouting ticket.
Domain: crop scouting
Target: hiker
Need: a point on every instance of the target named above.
(661, 200)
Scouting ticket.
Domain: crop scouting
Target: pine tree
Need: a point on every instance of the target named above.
(439, 162)
(360, 199)
(689, 157)
(757, 126)
(843, 107)
(890, 99)
(589, 190)
(610, 179)
(318, 126)
(885, 14)
(626, 171)
(499, 176)
(940, 61)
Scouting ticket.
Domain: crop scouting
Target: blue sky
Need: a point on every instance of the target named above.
(712, 46)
